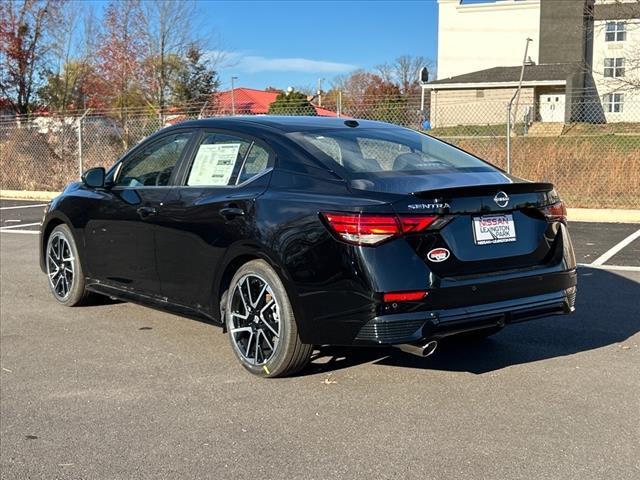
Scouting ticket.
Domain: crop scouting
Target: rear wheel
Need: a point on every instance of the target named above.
(66, 279)
(261, 324)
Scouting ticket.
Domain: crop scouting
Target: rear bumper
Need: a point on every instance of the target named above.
(438, 323)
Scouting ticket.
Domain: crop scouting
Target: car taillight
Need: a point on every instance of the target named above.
(371, 229)
(555, 213)
(414, 296)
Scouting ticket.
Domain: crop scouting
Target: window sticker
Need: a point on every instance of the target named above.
(214, 164)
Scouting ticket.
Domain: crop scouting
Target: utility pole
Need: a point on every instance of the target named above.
(233, 98)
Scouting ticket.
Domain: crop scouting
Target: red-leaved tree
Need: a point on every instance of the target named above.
(121, 55)
(24, 27)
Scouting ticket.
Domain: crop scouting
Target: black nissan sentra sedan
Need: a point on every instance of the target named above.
(292, 232)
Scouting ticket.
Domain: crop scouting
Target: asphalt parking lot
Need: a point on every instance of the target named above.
(121, 391)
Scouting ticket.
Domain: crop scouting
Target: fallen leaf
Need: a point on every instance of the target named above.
(329, 380)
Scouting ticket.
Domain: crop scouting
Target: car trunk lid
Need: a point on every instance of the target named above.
(491, 227)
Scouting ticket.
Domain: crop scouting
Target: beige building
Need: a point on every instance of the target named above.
(616, 59)
(578, 66)
(477, 36)
(480, 98)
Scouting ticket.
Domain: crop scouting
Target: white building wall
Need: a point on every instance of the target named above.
(475, 37)
(629, 85)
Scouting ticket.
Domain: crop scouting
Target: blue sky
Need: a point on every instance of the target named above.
(293, 43)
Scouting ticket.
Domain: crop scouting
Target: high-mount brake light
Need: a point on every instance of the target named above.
(371, 229)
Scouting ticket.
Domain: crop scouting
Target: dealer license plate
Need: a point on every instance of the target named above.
(494, 229)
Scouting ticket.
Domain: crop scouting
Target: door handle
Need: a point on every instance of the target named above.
(231, 212)
(146, 212)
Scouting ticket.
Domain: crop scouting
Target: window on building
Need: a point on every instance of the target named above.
(614, 67)
(613, 102)
(616, 32)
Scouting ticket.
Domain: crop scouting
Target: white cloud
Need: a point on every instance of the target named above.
(255, 63)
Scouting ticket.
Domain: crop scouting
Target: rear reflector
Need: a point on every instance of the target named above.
(371, 229)
(390, 297)
(555, 213)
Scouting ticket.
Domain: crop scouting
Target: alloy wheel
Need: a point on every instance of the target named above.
(255, 319)
(60, 266)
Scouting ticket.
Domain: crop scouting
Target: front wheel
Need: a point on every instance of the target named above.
(261, 324)
(64, 271)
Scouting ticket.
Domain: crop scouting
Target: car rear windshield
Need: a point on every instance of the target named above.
(381, 150)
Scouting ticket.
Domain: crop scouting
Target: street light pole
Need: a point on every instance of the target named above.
(320, 80)
(233, 98)
(516, 95)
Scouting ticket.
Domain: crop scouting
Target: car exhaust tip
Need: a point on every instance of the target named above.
(419, 350)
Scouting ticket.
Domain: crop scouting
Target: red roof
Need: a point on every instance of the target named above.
(253, 102)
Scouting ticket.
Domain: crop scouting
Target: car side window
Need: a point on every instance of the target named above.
(153, 165)
(216, 158)
(256, 162)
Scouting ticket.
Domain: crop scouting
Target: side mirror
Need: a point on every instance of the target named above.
(94, 177)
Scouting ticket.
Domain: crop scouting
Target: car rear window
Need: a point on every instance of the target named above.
(379, 150)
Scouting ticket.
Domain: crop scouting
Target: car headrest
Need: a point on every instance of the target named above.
(408, 161)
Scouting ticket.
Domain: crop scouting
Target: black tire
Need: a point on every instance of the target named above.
(288, 355)
(75, 293)
(478, 335)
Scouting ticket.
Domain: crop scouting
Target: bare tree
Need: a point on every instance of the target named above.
(404, 72)
(168, 27)
(71, 57)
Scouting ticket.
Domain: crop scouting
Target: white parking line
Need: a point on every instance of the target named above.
(621, 268)
(24, 206)
(615, 249)
(20, 225)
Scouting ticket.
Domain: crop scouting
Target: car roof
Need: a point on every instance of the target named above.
(283, 123)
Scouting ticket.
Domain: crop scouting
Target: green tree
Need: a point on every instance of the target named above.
(291, 103)
(197, 81)
(68, 89)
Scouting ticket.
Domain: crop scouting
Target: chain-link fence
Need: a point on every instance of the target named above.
(590, 151)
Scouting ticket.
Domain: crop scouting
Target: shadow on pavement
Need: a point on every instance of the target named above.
(607, 312)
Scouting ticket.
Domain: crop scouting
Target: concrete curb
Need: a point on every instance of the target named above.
(603, 215)
(27, 195)
(600, 215)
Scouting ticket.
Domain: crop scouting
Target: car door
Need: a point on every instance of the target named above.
(209, 212)
(120, 233)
